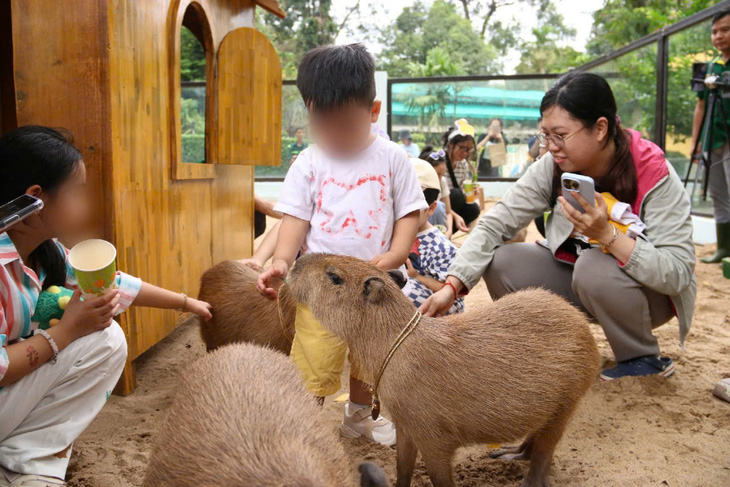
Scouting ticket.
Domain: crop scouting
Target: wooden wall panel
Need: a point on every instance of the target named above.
(60, 76)
(168, 232)
(249, 99)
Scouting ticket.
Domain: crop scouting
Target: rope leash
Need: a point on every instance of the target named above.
(412, 324)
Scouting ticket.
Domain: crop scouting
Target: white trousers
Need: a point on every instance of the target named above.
(42, 414)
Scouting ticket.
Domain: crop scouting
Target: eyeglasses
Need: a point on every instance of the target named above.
(468, 150)
(440, 154)
(557, 140)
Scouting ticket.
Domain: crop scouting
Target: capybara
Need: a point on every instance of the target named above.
(241, 313)
(240, 416)
(500, 372)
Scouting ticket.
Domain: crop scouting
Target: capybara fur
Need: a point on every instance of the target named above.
(240, 416)
(502, 371)
(240, 313)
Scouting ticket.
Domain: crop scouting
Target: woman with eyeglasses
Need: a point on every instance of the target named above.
(459, 146)
(628, 285)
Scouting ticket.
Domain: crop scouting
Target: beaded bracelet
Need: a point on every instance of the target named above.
(51, 342)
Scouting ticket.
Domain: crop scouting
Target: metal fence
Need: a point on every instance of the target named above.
(650, 78)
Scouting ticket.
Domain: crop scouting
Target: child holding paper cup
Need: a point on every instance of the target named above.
(54, 381)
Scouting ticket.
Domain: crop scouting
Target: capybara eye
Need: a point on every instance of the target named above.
(336, 280)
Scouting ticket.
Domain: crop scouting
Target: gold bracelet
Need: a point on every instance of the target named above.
(613, 239)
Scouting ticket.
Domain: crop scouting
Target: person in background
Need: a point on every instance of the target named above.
(352, 193)
(297, 146)
(54, 381)
(444, 214)
(534, 148)
(719, 185)
(458, 147)
(432, 253)
(494, 135)
(406, 141)
(262, 209)
(630, 283)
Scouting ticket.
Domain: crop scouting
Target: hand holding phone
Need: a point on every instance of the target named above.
(576, 183)
(18, 210)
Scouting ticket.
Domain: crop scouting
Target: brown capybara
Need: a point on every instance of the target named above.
(502, 371)
(240, 313)
(240, 416)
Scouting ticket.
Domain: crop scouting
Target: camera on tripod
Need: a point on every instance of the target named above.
(701, 81)
(718, 87)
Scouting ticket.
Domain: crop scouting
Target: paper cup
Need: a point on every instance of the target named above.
(95, 265)
(470, 191)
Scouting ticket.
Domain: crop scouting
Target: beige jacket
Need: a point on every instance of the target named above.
(663, 259)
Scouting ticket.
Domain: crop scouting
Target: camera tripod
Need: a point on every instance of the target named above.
(714, 100)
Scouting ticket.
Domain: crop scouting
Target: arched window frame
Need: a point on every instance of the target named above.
(182, 170)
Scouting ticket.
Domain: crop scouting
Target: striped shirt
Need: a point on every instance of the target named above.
(20, 287)
(462, 171)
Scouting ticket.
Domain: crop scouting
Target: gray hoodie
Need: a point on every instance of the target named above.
(662, 260)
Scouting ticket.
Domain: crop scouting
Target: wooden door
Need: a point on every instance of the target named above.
(249, 100)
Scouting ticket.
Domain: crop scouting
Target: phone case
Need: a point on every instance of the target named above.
(586, 189)
(20, 214)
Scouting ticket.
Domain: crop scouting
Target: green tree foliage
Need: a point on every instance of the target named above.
(548, 52)
(308, 24)
(192, 57)
(621, 21)
(418, 30)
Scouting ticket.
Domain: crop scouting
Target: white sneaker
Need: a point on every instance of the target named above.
(359, 422)
(31, 481)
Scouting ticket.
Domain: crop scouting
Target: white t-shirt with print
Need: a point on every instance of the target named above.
(352, 204)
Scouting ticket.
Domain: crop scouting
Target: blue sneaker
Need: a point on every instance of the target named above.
(649, 365)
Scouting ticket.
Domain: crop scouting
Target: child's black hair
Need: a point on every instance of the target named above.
(44, 156)
(426, 156)
(431, 195)
(334, 76)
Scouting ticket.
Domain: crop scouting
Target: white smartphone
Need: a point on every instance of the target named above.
(18, 210)
(576, 183)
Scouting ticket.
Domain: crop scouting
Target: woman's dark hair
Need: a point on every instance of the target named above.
(426, 156)
(44, 156)
(449, 143)
(588, 97)
(333, 76)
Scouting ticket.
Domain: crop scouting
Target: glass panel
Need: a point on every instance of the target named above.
(633, 80)
(685, 48)
(192, 97)
(428, 109)
(293, 123)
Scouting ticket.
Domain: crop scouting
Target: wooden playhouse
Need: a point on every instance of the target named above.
(109, 71)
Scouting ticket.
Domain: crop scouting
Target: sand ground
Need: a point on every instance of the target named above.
(632, 432)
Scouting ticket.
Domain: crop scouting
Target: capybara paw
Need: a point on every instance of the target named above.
(511, 453)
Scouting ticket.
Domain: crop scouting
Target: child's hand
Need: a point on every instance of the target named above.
(82, 318)
(253, 263)
(279, 268)
(412, 272)
(200, 308)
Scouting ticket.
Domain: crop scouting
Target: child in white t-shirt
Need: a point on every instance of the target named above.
(352, 193)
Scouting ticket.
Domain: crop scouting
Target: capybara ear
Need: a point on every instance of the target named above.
(373, 289)
(398, 277)
(372, 476)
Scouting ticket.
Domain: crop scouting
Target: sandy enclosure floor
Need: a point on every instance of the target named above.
(633, 432)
